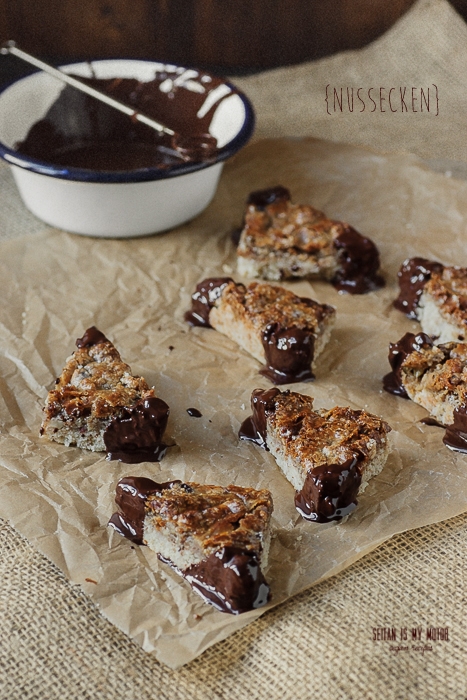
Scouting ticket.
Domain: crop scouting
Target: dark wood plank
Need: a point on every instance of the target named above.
(279, 33)
(231, 35)
(84, 29)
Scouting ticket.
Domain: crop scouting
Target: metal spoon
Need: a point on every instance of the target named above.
(185, 147)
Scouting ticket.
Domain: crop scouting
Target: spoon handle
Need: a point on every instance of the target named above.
(10, 47)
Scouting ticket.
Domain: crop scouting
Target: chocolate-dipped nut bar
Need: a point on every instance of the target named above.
(435, 377)
(282, 240)
(327, 455)
(216, 537)
(98, 404)
(281, 330)
(435, 295)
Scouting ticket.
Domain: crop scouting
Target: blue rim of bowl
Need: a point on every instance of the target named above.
(12, 157)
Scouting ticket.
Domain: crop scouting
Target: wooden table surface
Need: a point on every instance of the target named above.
(228, 36)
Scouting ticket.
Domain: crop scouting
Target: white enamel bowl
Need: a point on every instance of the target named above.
(125, 203)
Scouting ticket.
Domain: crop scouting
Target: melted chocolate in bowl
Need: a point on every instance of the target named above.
(81, 132)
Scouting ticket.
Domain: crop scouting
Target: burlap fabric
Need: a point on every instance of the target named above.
(55, 644)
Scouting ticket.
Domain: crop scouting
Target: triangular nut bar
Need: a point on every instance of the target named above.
(216, 537)
(99, 405)
(435, 377)
(280, 329)
(327, 455)
(282, 240)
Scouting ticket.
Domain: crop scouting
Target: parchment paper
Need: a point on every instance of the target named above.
(54, 285)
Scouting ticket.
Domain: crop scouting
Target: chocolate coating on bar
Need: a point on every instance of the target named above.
(455, 436)
(92, 336)
(289, 354)
(135, 436)
(254, 428)
(330, 491)
(358, 263)
(231, 580)
(131, 495)
(398, 352)
(412, 277)
(262, 198)
(204, 299)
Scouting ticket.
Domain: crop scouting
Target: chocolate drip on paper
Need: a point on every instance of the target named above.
(203, 300)
(92, 336)
(455, 436)
(358, 257)
(412, 277)
(254, 428)
(194, 412)
(330, 491)
(136, 435)
(131, 495)
(289, 354)
(398, 352)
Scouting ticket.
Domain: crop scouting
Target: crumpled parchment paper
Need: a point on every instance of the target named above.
(54, 285)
